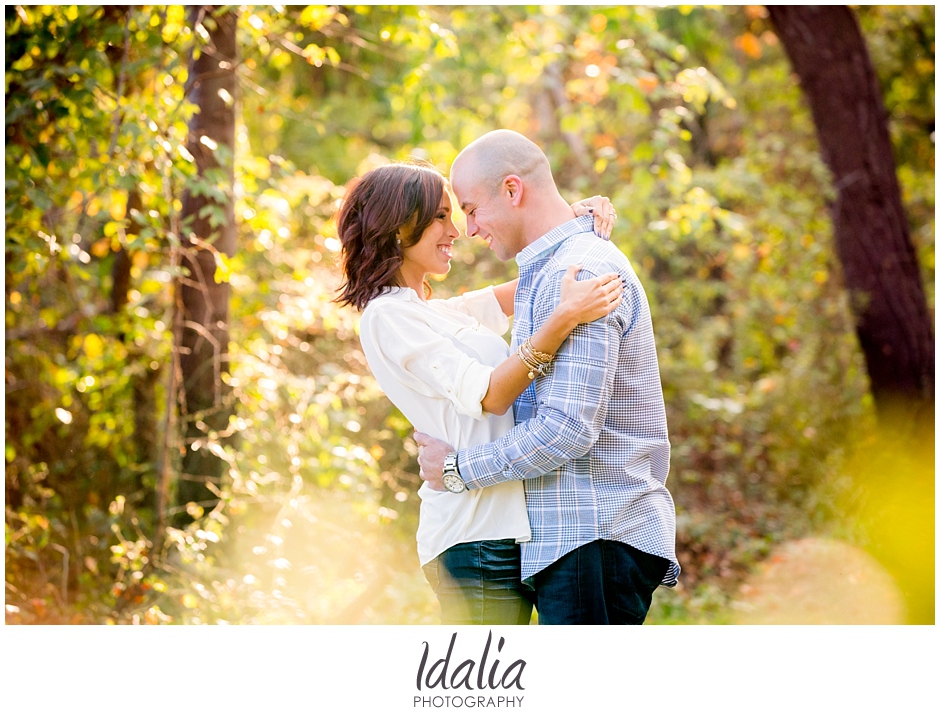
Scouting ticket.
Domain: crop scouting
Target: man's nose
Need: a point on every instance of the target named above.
(471, 227)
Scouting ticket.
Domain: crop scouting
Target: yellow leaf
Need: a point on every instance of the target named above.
(93, 346)
(223, 268)
(741, 251)
(190, 601)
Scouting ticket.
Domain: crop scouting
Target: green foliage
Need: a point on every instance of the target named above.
(687, 118)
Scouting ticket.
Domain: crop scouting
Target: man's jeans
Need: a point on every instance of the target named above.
(602, 582)
(478, 583)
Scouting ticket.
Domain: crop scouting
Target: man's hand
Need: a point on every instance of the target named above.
(431, 453)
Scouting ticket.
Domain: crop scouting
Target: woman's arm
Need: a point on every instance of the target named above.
(604, 214)
(581, 302)
(506, 295)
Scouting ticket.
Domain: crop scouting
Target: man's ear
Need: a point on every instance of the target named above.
(512, 186)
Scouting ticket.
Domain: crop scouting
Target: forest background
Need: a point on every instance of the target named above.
(289, 495)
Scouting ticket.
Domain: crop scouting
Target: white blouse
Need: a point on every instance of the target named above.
(433, 360)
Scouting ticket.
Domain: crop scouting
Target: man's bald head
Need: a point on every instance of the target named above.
(493, 156)
(504, 185)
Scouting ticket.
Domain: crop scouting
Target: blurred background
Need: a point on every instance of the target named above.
(192, 433)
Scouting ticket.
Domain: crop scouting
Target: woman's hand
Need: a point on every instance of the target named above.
(588, 300)
(604, 214)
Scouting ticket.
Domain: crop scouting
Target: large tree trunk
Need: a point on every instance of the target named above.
(828, 53)
(204, 334)
(895, 473)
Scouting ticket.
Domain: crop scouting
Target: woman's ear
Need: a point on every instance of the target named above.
(406, 230)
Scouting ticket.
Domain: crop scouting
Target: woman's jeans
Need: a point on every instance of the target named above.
(479, 583)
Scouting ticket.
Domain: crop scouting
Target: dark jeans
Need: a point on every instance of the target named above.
(602, 582)
(479, 583)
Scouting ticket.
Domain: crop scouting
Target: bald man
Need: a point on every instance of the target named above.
(590, 441)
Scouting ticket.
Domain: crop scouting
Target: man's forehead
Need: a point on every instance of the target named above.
(465, 193)
(463, 179)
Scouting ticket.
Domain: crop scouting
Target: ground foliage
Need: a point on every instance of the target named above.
(687, 118)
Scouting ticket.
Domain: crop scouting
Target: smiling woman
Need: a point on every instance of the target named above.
(444, 364)
(384, 213)
(432, 253)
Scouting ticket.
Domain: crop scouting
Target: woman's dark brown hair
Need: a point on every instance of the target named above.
(389, 203)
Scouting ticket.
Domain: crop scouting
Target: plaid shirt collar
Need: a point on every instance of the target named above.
(550, 241)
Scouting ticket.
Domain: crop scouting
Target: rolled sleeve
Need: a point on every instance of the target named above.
(431, 362)
(455, 376)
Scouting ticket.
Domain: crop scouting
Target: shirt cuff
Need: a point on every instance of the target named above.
(482, 466)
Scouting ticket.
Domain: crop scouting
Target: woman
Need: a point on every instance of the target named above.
(443, 363)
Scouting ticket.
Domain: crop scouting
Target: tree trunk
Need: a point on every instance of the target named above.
(204, 334)
(828, 53)
(121, 268)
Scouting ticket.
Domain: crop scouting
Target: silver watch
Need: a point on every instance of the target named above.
(451, 476)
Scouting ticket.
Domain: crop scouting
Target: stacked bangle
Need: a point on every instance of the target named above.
(535, 361)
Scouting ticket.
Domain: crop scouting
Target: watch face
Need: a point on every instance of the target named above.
(453, 483)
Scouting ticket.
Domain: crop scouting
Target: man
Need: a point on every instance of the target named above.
(590, 440)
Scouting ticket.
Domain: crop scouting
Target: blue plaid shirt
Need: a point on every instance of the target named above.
(590, 439)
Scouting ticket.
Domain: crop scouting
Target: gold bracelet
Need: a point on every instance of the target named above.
(535, 361)
(527, 365)
(537, 354)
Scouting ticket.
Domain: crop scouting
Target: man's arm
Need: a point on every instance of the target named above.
(572, 404)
